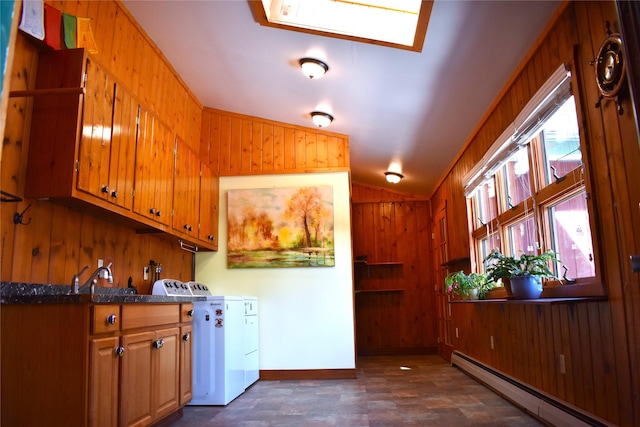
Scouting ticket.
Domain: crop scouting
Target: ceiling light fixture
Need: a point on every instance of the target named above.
(393, 177)
(313, 68)
(322, 120)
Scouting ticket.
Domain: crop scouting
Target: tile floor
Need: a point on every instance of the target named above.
(430, 393)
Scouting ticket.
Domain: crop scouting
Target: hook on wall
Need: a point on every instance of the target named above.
(18, 217)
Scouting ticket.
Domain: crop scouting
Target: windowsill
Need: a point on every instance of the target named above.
(550, 295)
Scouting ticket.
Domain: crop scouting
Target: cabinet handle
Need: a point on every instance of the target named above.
(158, 213)
(112, 319)
(190, 313)
(114, 194)
(152, 211)
(210, 237)
(158, 343)
(120, 351)
(188, 227)
(105, 188)
(186, 337)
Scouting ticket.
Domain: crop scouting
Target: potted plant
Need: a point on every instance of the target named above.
(525, 272)
(472, 286)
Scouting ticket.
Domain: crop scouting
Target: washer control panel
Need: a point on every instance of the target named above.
(199, 289)
(172, 288)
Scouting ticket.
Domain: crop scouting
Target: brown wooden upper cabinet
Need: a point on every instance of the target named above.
(93, 144)
(195, 197)
(82, 141)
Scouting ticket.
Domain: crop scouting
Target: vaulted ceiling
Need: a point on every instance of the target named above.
(418, 108)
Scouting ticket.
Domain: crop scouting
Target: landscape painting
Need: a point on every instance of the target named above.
(280, 227)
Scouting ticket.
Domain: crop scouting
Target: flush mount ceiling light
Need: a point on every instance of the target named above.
(320, 119)
(313, 68)
(393, 177)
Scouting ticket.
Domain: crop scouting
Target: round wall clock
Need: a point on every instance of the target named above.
(610, 69)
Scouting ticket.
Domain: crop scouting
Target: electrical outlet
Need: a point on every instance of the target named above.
(145, 273)
(456, 332)
(100, 262)
(562, 365)
(491, 341)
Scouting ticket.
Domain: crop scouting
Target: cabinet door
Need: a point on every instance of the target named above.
(123, 143)
(136, 379)
(103, 382)
(166, 371)
(153, 181)
(209, 192)
(94, 150)
(186, 190)
(163, 196)
(186, 365)
(55, 124)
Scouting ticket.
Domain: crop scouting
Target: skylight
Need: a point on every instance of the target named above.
(390, 22)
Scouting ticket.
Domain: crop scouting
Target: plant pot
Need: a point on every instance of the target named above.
(526, 287)
(506, 283)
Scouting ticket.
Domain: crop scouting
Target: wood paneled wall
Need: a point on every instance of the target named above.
(399, 316)
(59, 240)
(236, 144)
(529, 341)
(599, 340)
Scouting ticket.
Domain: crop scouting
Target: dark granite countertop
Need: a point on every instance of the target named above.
(30, 293)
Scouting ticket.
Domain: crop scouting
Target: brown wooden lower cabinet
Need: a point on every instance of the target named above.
(80, 364)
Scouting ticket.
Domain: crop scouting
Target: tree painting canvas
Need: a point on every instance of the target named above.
(280, 227)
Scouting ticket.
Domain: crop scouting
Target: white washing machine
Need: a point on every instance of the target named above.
(218, 350)
(219, 329)
(251, 334)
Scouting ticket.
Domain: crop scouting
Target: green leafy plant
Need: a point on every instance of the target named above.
(500, 266)
(462, 285)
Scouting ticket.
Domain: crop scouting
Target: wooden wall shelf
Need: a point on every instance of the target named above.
(377, 263)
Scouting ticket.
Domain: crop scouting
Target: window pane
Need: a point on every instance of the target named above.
(561, 142)
(486, 246)
(516, 172)
(486, 201)
(572, 236)
(522, 237)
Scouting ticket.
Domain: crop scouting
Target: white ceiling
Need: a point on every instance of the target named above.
(419, 108)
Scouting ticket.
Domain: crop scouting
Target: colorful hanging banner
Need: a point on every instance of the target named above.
(32, 21)
(85, 35)
(52, 26)
(69, 22)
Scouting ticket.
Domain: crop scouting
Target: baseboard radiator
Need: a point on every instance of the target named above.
(541, 405)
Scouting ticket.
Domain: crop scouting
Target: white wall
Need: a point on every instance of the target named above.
(306, 315)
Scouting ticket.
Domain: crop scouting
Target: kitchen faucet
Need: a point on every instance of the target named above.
(101, 272)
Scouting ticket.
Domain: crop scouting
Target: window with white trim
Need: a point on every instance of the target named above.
(528, 193)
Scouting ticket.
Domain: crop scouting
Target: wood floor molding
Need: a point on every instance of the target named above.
(307, 374)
